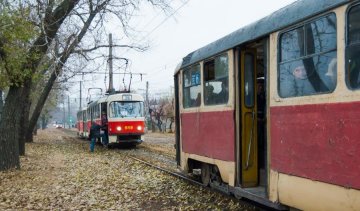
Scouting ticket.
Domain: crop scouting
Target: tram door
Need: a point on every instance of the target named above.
(248, 119)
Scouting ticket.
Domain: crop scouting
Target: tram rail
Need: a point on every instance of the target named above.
(197, 183)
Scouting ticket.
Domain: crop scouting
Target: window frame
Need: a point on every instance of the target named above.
(348, 45)
(213, 58)
(305, 56)
(190, 68)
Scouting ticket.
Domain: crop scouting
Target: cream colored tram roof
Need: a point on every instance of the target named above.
(119, 97)
(286, 16)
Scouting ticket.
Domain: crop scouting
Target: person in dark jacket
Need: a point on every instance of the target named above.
(94, 134)
(104, 128)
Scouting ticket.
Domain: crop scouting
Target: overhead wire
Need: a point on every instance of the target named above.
(161, 23)
(149, 33)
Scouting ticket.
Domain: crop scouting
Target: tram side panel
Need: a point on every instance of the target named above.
(81, 128)
(319, 142)
(209, 134)
(80, 124)
(315, 140)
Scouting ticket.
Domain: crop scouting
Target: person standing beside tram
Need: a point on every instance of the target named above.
(94, 134)
(104, 128)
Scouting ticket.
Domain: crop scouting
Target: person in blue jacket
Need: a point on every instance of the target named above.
(94, 134)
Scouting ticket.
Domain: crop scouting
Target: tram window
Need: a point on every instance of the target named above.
(354, 25)
(96, 111)
(292, 46)
(353, 48)
(191, 88)
(321, 35)
(216, 85)
(308, 65)
(249, 80)
(126, 109)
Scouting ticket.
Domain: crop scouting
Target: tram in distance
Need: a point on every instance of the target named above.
(124, 113)
(271, 112)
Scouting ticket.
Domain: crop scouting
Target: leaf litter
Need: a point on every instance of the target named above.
(59, 172)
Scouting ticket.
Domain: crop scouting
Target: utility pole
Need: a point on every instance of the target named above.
(80, 104)
(64, 117)
(80, 96)
(69, 111)
(147, 94)
(82, 78)
(111, 87)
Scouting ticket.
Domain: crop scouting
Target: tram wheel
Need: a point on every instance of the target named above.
(205, 174)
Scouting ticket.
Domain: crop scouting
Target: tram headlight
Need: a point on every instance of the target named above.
(139, 127)
(118, 128)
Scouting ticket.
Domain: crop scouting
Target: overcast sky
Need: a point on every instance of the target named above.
(195, 24)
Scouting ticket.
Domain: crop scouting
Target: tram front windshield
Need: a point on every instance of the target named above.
(124, 109)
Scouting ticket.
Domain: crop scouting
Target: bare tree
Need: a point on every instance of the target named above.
(162, 111)
(169, 113)
(69, 21)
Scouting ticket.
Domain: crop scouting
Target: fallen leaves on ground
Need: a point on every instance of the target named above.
(59, 172)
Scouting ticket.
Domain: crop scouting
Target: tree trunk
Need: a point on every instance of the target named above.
(24, 115)
(40, 104)
(159, 122)
(171, 123)
(35, 130)
(16, 109)
(53, 22)
(24, 107)
(152, 125)
(10, 124)
(1, 103)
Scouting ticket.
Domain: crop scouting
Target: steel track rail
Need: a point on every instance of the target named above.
(194, 182)
(169, 172)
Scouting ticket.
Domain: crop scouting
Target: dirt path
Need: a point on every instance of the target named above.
(59, 172)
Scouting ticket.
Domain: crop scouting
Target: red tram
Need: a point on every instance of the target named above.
(80, 124)
(271, 112)
(124, 113)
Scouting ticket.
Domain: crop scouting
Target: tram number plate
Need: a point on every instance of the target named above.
(128, 127)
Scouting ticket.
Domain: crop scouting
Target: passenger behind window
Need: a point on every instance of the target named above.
(306, 57)
(209, 93)
(298, 83)
(296, 80)
(332, 73)
(197, 102)
(222, 96)
(300, 73)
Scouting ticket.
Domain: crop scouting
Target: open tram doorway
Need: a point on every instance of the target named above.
(251, 117)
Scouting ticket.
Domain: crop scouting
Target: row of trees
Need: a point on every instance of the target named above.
(46, 42)
(161, 114)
